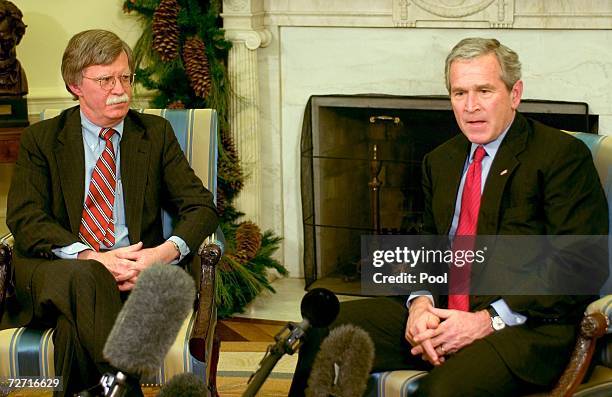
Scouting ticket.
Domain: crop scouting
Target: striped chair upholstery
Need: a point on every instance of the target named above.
(394, 383)
(400, 383)
(29, 352)
(600, 381)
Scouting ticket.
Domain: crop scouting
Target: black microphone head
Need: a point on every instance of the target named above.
(320, 307)
(184, 385)
(343, 364)
(149, 321)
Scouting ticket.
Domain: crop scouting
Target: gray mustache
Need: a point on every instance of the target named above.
(117, 99)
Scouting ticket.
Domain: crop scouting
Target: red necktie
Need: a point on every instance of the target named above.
(97, 225)
(459, 284)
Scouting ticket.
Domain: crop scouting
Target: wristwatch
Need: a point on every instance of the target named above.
(496, 321)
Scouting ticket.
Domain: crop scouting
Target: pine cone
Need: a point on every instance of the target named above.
(220, 201)
(229, 164)
(223, 265)
(196, 66)
(165, 30)
(176, 105)
(248, 241)
(229, 146)
(231, 174)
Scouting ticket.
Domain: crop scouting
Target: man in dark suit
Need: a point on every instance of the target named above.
(504, 175)
(85, 208)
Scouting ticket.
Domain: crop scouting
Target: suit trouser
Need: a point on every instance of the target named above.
(476, 370)
(81, 299)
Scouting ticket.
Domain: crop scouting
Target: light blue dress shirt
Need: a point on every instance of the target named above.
(501, 307)
(94, 146)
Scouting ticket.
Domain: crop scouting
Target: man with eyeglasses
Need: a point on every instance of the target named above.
(85, 208)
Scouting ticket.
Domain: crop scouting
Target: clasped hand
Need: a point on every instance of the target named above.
(126, 263)
(435, 333)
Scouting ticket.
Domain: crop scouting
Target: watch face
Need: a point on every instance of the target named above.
(497, 323)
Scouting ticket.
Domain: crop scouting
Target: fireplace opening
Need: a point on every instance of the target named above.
(361, 171)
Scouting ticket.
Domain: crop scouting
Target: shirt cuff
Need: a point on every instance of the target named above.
(417, 294)
(183, 248)
(70, 251)
(508, 316)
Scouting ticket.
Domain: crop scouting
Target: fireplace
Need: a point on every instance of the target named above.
(361, 171)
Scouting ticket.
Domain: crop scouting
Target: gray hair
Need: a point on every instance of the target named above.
(91, 47)
(473, 47)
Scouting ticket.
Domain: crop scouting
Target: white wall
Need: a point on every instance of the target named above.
(50, 26)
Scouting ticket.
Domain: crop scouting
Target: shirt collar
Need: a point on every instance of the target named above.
(491, 147)
(92, 130)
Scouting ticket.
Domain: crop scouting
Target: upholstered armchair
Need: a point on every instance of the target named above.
(29, 352)
(589, 370)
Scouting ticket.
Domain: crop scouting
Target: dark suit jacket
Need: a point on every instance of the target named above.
(551, 187)
(46, 197)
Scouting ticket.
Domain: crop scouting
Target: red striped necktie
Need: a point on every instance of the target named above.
(459, 285)
(97, 224)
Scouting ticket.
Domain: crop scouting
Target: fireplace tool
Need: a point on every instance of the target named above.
(376, 165)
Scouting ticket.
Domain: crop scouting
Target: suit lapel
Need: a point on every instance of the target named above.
(134, 165)
(501, 171)
(449, 185)
(71, 164)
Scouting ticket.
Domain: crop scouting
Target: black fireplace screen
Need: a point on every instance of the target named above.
(361, 172)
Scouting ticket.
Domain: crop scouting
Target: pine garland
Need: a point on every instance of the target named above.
(238, 284)
(198, 79)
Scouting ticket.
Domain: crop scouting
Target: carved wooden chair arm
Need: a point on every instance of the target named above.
(592, 327)
(210, 253)
(6, 256)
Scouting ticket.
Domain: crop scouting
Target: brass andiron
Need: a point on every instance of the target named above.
(374, 184)
(377, 134)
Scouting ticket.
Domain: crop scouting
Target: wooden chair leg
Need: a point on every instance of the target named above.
(214, 362)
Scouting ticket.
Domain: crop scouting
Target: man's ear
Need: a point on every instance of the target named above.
(516, 93)
(75, 89)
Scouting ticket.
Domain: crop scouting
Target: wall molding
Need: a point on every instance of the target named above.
(518, 14)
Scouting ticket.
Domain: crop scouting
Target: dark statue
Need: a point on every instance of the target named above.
(12, 76)
(13, 82)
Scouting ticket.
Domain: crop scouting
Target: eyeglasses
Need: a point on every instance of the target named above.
(107, 83)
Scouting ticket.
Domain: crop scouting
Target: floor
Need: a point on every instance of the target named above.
(246, 336)
(284, 305)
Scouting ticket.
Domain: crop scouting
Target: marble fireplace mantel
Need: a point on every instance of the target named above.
(286, 50)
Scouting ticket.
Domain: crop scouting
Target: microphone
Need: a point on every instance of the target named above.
(319, 308)
(184, 385)
(146, 326)
(343, 363)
